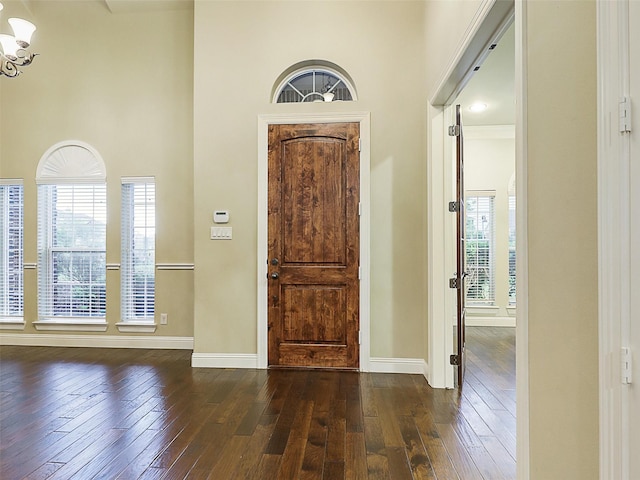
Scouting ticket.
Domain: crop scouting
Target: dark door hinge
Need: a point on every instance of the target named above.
(454, 206)
(454, 283)
(454, 130)
(454, 360)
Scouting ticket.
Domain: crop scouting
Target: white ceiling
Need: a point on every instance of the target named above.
(493, 84)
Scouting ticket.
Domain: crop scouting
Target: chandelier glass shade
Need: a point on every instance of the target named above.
(14, 49)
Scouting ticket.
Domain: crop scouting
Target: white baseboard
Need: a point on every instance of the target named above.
(224, 360)
(472, 321)
(399, 365)
(250, 360)
(96, 341)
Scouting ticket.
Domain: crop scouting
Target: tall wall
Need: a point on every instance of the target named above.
(241, 49)
(562, 226)
(446, 23)
(124, 84)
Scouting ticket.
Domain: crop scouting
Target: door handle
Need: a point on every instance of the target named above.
(275, 275)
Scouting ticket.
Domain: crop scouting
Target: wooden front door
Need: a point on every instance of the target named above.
(314, 240)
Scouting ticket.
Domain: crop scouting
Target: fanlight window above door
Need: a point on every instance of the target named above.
(314, 85)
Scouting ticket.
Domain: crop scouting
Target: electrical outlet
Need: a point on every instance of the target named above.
(164, 318)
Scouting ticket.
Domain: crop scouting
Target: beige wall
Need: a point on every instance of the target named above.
(126, 84)
(562, 225)
(242, 49)
(123, 84)
(446, 23)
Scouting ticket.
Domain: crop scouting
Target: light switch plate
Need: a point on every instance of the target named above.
(221, 233)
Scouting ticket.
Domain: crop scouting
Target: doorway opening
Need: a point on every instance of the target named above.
(482, 249)
(264, 121)
(474, 48)
(487, 105)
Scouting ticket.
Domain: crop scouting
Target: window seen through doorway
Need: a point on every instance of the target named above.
(480, 248)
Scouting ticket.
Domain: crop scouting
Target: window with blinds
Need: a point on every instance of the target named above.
(11, 248)
(72, 222)
(138, 259)
(480, 248)
(512, 249)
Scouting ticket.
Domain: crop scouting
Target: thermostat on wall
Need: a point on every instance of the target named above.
(221, 216)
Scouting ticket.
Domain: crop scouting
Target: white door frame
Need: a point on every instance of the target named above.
(614, 237)
(492, 19)
(440, 188)
(363, 118)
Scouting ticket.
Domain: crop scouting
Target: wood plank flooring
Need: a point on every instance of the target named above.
(76, 413)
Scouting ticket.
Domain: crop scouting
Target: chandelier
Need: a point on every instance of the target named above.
(14, 51)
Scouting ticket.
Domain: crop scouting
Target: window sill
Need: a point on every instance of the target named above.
(68, 324)
(489, 310)
(12, 323)
(136, 327)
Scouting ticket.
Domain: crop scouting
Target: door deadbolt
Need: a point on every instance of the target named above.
(274, 261)
(275, 275)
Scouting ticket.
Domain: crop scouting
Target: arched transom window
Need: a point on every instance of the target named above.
(314, 84)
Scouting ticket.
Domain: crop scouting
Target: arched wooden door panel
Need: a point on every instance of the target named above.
(313, 245)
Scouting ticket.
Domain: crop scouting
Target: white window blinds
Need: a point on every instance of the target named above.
(71, 250)
(480, 248)
(11, 248)
(512, 249)
(138, 249)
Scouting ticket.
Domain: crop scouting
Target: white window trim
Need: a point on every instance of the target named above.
(71, 324)
(54, 169)
(511, 303)
(138, 325)
(50, 250)
(15, 321)
(470, 303)
(12, 323)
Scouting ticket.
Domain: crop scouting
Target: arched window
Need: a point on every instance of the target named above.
(72, 219)
(314, 81)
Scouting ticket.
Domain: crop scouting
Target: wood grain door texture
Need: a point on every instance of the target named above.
(313, 245)
(460, 254)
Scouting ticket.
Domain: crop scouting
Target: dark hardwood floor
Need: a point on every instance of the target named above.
(128, 414)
